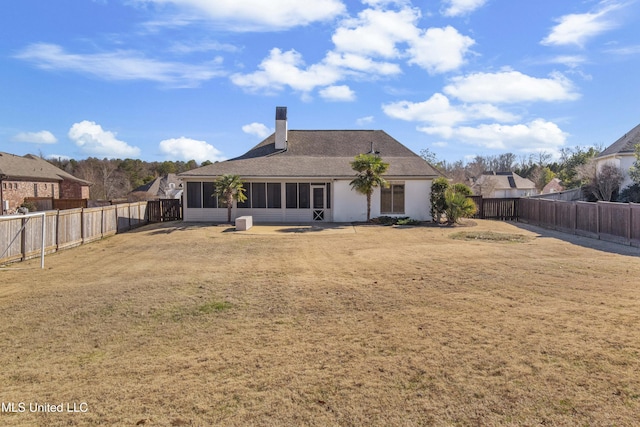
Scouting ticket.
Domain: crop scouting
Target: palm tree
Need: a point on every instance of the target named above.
(229, 188)
(370, 168)
(459, 205)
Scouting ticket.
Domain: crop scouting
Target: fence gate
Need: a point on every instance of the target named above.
(164, 210)
(505, 209)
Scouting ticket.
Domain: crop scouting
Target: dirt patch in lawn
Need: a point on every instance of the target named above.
(491, 236)
(186, 324)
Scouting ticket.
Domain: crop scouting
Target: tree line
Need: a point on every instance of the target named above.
(115, 178)
(575, 168)
(538, 167)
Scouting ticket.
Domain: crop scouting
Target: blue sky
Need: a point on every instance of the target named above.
(200, 79)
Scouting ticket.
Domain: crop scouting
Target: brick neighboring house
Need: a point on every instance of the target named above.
(31, 176)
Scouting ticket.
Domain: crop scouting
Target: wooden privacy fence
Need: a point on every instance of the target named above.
(49, 203)
(66, 229)
(495, 208)
(615, 222)
(164, 210)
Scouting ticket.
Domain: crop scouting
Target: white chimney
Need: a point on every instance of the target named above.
(281, 128)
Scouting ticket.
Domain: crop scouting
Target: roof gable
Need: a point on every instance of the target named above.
(625, 144)
(32, 167)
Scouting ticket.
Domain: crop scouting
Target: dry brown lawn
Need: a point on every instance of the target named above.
(184, 324)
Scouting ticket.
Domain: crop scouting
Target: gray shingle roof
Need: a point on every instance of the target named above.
(506, 180)
(160, 186)
(320, 153)
(625, 144)
(33, 168)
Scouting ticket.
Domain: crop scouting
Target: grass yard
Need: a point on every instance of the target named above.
(182, 324)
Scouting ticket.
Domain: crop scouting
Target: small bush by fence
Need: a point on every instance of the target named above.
(66, 229)
(615, 222)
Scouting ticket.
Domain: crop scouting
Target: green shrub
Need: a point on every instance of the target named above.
(438, 202)
(29, 205)
(459, 205)
(407, 221)
(390, 220)
(630, 194)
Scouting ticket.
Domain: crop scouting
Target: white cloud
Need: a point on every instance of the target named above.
(511, 87)
(631, 50)
(121, 65)
(461, 7)
(394, 35)
(257, 129)
(201, 46)
(439, 50)
(438, 111)
(576, 29)
(190, 149)
(255, 15)
(338, 93)
(365, 47)
(364, 120)
(95, 141)
(376, 32)
(282, 69)
(57, 157)
(362, 66)
(537, 135)
(42, 137)
(571, 61)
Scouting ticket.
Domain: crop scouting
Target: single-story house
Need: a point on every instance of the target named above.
(621, 154)
(31, 176)
(168, 186)
(503, 185)
(305, 175)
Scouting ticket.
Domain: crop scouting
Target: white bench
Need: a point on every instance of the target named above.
(243, 223)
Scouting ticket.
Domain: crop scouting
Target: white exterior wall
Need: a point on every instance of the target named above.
(351, 206)
(347, 206)
(416, 199)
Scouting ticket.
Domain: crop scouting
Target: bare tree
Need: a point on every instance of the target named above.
(484, 185)
(602, 182)
(541, 176)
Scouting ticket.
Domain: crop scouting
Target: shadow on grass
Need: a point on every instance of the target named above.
(173, 226)
(312, 228)
(585, 242)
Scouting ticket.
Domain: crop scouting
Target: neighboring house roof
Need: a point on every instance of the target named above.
(624, 145)
(320, 153)
(553, 186)
(33, 168)
(161, 186)
(506, 180)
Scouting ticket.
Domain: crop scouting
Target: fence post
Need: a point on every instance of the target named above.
(629, 218)
(23, 239)
(598, 219)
